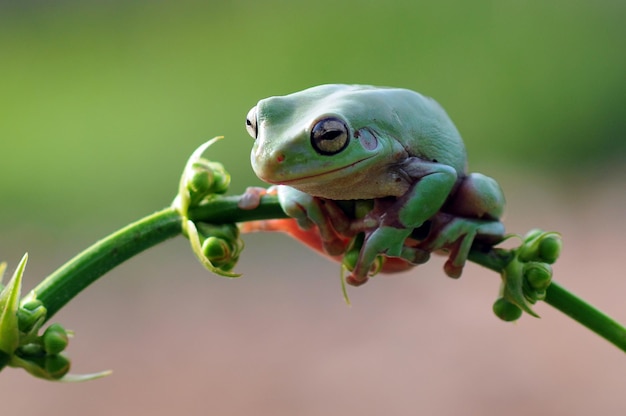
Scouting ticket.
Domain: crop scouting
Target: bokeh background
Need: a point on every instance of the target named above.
(101, 102)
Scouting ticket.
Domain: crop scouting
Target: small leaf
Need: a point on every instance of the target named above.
(76, 378)
(183, 199)
(3, 267)
(513, 286)
(30, 316)
(344, 289)
(9, 303)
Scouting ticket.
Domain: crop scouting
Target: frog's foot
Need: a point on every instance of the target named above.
(251, 198)
(379, 243)
(310, 211)
(456, 235)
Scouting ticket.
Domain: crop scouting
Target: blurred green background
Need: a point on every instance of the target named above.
(101, 102)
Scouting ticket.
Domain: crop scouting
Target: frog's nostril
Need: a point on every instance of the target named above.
(280, 158)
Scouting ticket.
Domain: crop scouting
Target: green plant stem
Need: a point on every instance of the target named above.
(587, 315)
(65, 283)
(564, 301)
(86, 267)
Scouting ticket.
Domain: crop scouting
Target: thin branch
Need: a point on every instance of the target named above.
(65, 283)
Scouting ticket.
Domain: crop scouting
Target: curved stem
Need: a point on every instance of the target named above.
(65, 283)
(86, 267)
(561, 299)
(587, 315)
(225, 209)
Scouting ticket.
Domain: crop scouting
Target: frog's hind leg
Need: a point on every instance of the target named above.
(471, 214)
(455, 235)
(477, 196)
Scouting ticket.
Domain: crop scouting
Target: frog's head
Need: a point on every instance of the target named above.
(332, 141)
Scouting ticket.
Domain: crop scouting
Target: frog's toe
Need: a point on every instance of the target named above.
(251, 199)
(334, 245)
(353, 280)
(452, 270)
(361, 273)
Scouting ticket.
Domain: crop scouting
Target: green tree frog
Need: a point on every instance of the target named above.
(384, 167)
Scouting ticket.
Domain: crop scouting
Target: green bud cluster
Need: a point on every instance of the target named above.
(21, 346)
(42, 355)
(540, 246)
(204, 179)
(216, 246)
(528, 275)
(220, 244)
(200, 181)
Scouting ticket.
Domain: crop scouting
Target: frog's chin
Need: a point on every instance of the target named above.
(324, 176)
(354, 181)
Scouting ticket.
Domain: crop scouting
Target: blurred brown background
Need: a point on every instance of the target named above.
(101, 103)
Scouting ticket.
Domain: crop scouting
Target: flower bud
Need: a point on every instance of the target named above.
(31, 350)
(57, 366)
(205, 178)
(29, 314)
(221, 242)
(506, 311)
(215, 249)
(528, 251)
(55, 339)
(200, 180)
(538, 275)
(532, 235)
(219, 178)
(228, 232)
(550, 248)
(228, 265)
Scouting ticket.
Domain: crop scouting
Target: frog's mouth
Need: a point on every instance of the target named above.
(324, 174)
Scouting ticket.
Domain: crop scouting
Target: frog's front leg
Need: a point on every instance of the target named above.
(319, 223)
(431, 185)
(311, 211)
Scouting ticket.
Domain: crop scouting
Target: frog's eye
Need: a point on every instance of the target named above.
(251, 124)
(329, 136)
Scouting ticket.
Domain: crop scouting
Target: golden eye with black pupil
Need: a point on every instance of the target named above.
(329, 136)
(251, 123)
